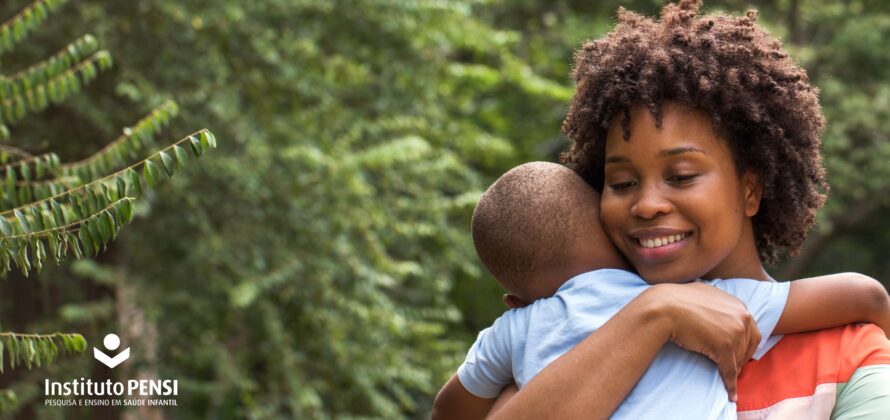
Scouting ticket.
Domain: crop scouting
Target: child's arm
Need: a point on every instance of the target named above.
(455, 402)
(834, 300)
(473, 390)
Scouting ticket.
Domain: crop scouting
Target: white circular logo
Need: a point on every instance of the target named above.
(112, 341)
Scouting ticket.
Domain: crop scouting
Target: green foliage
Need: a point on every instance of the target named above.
(68, 208)
(37, 349)
(17, 28)
(328, 233)
(51, 209)
(322, 265)
(132, 143)
(84, 219)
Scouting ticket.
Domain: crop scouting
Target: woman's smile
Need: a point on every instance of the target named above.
(658, 244)
(673, 202)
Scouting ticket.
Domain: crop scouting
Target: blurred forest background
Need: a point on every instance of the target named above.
(319, 263)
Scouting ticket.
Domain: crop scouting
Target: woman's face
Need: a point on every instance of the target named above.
(673, 202)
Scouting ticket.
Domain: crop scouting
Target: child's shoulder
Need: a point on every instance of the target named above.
(604, 277)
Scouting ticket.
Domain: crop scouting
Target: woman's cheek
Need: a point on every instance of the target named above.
(611, 215)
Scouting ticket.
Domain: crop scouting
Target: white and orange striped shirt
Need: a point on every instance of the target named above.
(841, 372)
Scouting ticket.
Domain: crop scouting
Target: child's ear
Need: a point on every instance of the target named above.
(514, 302)
(753, 193)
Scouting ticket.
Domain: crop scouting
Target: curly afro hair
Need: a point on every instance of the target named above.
(758, 100)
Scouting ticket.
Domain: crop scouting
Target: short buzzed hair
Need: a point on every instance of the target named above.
(531, 220)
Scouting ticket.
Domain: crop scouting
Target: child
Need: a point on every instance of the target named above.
(537, 231)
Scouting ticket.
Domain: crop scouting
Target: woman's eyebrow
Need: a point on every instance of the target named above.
(663, 154)
(680, 150)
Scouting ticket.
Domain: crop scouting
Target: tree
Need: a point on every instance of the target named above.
(312, 275)
(320, 265)
(50, 209)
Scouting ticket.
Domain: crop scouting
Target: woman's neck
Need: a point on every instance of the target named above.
(749, 269)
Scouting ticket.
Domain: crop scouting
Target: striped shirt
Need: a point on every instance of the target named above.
(837, 373)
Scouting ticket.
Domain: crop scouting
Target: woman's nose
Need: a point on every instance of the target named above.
(650, 204)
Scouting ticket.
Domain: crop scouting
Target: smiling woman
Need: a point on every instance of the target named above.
(703, 136)
(661, 185)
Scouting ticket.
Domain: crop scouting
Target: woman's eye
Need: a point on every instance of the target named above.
(682, 179)
(621, 186)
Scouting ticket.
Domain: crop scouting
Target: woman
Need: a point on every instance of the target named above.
(740, 192)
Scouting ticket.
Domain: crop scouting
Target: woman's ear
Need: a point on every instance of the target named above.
(753, 193)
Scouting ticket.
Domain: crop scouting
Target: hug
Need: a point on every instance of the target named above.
(636, 271)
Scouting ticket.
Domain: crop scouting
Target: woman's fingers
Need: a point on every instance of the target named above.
(754, 337)
(730, 374)
(712, 322)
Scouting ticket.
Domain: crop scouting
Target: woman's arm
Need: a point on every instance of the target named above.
(593, 378)
(834, 300)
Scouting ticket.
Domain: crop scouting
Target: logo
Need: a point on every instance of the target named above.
(111, 342)
(129, 392)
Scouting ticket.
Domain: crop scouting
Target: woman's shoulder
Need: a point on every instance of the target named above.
(809, 367)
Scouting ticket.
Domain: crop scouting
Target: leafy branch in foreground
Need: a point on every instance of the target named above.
(84, 219)
(24, 181)
(16, 28)
(37, 349)
(54, 209)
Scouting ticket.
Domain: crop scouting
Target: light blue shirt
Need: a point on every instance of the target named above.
(678, 385)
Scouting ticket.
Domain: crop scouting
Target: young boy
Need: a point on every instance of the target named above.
(537, 231)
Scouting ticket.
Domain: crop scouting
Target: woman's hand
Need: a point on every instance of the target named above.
(709, 321)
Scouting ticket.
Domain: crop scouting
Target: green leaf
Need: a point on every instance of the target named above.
(78, 343)
(62, 249)
(135, 184)
(121, 187)
(11, 345)
(77, 206)
(23, 221)
(10, 179)
(75, 246)
(58, 214)
(37, 217)
(5, 227)
(22, 259)
(38, 169)
(53, 242)
(84, 235)
(167, 161)
(69, 344)
(39, 255)
(125, 213)
(95, 235)
(48, 222)
(208, 138)
(205, 141)
(196, 146)
(105, 227)
(182, 157)
(150, 172)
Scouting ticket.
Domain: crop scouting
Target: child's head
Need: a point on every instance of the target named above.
(537, 226)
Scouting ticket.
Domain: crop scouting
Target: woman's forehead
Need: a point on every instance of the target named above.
(682, 130)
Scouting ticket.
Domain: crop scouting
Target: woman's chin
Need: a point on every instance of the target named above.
(661, 275)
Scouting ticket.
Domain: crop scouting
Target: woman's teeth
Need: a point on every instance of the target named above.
(657, 242)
